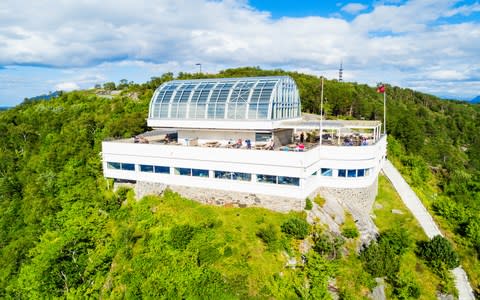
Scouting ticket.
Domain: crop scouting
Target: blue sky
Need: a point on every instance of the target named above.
(427, 45)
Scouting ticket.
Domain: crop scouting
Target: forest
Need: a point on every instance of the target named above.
(64, 231)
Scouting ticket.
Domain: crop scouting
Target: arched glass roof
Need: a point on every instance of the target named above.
(249, 98)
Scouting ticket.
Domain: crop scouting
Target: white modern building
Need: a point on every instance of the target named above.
(239, 138)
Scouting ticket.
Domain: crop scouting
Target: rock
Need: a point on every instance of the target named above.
(397, 212)
(378, 292)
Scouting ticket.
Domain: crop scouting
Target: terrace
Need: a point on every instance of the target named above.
(305, 132)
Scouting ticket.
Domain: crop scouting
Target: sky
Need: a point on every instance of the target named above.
(431, 46)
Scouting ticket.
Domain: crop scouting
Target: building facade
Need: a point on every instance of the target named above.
(244, 141)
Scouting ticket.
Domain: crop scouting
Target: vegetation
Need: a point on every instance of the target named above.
(65, 233)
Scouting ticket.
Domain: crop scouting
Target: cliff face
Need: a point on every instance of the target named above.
(475, 100)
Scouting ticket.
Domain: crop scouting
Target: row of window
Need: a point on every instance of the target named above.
(285, 180)
(343, 172)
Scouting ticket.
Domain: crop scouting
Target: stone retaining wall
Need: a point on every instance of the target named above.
(358, 201)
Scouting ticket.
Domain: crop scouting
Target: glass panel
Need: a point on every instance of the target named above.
(183, 171)
(241, 176)
(288, 180)
(352, 173)
(128, 167)
(223, 175)
(361, 172)
(262, 137)
(266, 178)
(162, 169)
(326, 172)
(113, 165)
(199, 173)
(145, 168)
(342, 173)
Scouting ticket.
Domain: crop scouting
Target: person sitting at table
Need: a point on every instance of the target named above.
(249, 144)
(270, 145)
(239, 143)
(300, 147)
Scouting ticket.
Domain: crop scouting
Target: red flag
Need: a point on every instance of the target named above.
(381, 89)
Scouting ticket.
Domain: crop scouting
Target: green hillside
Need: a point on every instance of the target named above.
(65, 233)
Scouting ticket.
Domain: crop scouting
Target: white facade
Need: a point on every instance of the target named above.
(203, 119)
(306, 166)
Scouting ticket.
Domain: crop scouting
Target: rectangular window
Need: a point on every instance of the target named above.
(199, 173)
(222, 175)
(342, 173)
(326, 172)
(361, 172)
(241, 176)
(266, 178)
(367, 171)
(352, 173)
(162, 169)
(114, 165)
(145, 168)
(128, 167)
(289, 180)
(183, 171)
(263, 136)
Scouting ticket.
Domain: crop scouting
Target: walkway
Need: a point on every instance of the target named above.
(431, 229)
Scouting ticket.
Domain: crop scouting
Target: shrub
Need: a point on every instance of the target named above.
(350, 232)
(269, 235)
(328, 245)
(437, 252)
(398, 239)
(308, 204)
(296, 227)
(405, 287)
(319, 200)
(380, 260)
(181, 235)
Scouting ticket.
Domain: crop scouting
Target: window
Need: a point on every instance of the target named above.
(289, 180)
(352, 173)
(263, 136)
(361, 172)
(266, 178)
(233, 175)
(241, 176)
(326, 172)
(161, 169)
(183, 171)
(121, 166)
(145, 168)
(342, 173)
(199, 173)
(114, 165)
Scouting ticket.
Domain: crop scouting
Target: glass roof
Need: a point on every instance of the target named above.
(249, 98)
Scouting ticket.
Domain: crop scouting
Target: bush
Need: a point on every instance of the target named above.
(398, 239)
(308, 204)
(269, 235)
(319, 200)
(350, 232)
(328, 245)
(438, 252)
(296, 227)
(405, 287)
(181, 235)
(380, 260)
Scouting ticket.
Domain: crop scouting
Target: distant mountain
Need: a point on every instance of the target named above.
(4, 107)
(475, 100)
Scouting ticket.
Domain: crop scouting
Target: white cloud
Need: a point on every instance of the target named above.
(67, 86)
(354, 8)
(389, 44)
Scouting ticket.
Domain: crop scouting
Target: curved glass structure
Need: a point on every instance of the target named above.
(249, 98)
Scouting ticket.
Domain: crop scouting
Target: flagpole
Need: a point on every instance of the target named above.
(385, 112)
(321, 113)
